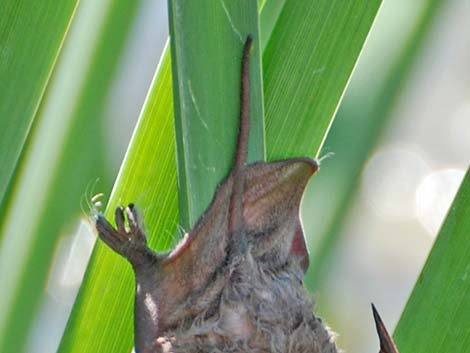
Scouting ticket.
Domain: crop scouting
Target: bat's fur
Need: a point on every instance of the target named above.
(259, 310)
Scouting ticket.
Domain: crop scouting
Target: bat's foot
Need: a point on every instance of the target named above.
(127, 240)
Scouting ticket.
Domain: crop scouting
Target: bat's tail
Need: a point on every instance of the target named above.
(245, 106)
(238, 171)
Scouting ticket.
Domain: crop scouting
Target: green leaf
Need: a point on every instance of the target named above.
(206, 73)
(436, 316)
(63, 156)
(101, 318)
(207, 121)
(270, 12)
(29, 46)
(307, 65)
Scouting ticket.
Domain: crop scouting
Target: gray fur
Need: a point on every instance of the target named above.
(259, 310)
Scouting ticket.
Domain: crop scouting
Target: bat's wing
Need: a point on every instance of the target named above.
(386, 342)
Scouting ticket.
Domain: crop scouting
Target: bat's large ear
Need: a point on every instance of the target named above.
(386, 342)
(272, 196)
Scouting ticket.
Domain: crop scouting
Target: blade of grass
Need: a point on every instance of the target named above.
(29, 48)
(101, 318)
(307, 65)
(206, 72)
(269, 14)
(436, 316)
(63, 156)
(366, 116)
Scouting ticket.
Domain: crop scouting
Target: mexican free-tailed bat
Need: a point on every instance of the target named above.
(235, 283)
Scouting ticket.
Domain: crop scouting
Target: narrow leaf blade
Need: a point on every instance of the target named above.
(206, 66)
(29, 49)
(307, 65)
(63, 156)
(436, 316)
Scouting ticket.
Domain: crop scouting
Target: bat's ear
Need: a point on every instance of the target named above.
(272, 196)
(386, 342)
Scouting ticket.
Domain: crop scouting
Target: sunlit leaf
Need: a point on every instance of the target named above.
(436, 316)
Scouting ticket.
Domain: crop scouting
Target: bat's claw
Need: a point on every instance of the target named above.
(130, 241)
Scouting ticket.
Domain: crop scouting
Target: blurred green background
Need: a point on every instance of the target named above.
(400, 144)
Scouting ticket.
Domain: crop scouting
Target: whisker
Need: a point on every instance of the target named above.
(325, 156)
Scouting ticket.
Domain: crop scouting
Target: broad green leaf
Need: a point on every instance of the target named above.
(101, 320)
(206, 75)
(63, 156)
(436, 316)
(29, 46)
(307, 65)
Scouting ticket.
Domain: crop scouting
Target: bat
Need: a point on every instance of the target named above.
(235, 282)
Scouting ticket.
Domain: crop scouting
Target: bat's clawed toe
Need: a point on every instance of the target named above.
(127, 240)
(135, 223)
(107, 233)
(120, 219)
